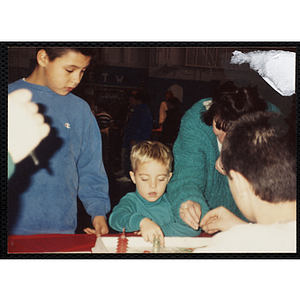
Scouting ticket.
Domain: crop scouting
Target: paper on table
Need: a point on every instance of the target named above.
(99, 246)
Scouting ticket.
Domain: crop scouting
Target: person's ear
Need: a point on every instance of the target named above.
(132, 177)
(42, 58)
(170, 175)
(241, 183)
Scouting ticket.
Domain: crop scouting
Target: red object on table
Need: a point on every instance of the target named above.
(47, 243)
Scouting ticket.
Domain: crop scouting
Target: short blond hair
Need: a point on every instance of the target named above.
(147, 151)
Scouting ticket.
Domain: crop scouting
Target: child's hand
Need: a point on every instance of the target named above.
(150, 231)
(100, 225)
(219, 219)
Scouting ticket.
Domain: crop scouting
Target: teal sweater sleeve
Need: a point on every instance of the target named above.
(195, 177)
(126, 214)
(10, 166)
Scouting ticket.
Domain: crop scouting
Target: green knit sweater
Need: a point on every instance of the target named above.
(133, 208)
(195, 177)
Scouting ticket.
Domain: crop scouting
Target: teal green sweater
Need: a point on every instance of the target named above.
(133, 208)
(195, 177)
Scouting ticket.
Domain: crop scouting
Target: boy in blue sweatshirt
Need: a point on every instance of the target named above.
(148, 209)
(43, 197)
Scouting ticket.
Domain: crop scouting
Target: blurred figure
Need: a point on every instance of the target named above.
(26, 127)
(163, 108)
(170, 127)
(139, 129)
(105, 122)
(130, 109)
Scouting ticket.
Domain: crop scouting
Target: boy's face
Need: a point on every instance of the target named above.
(151, 179)
(64, 73)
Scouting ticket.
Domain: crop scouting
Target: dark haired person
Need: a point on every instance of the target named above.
(198, 183)
(43, 197)
(263, 186)
(139, 128)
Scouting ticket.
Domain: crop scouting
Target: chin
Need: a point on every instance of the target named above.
(152, 199)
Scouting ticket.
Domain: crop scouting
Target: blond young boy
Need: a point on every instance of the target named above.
(148, 209)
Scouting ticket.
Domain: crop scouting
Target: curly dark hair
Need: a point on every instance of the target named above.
(230, 102)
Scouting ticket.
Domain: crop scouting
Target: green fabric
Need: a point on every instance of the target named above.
(10, 166)
(195, 177)
(133, 208)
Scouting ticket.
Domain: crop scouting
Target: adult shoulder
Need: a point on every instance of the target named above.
(193, 115)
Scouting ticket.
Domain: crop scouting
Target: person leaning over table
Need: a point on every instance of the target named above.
(198, 183)
(42, 199)
(264, 187)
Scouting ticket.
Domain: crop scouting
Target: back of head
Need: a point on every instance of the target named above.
(169, 95)
(146, 151)
(258, 146)
(174, 102)
(142, 96)
(230, 102)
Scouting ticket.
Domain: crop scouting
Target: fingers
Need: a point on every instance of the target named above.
(21, 96)
(211, 226)
(26, 127)
(44, 130)
(104, 230)
(89, 231)
(150, 236)
(162, 239)
(100, 225)
(212, 214)
(190, 213)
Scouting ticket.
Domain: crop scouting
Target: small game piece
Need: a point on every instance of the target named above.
(122, 243)
(156, 246)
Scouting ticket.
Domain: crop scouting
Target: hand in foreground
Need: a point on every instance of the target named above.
(190, 213)
(219, 166)
(26, 127)
(219, 219)
(150, 230)
(100, 225)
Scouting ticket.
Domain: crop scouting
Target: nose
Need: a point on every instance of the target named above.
(153, 183)
(76, 77)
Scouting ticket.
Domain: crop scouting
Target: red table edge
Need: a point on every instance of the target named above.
(23, 244)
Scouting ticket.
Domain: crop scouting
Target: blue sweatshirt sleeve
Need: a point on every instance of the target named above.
(93, 181)
(125, 215)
